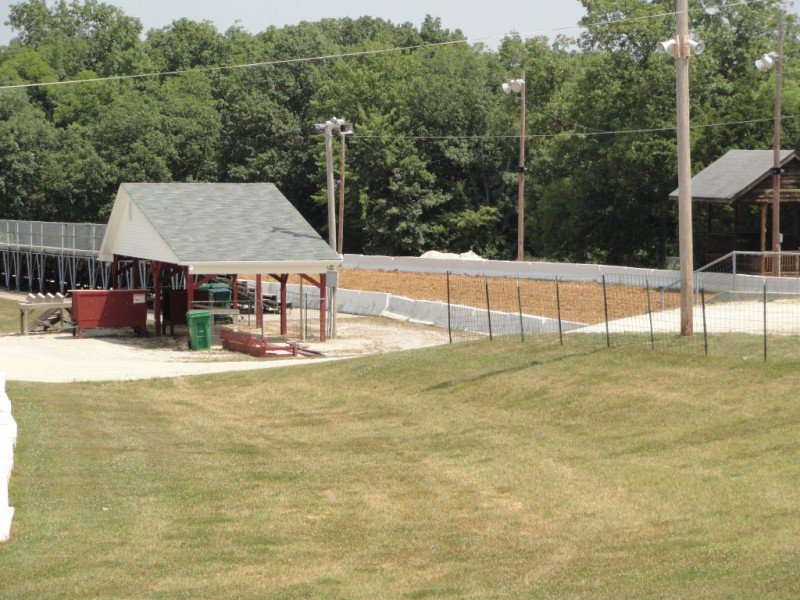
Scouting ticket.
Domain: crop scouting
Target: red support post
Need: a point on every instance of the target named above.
(156, 267)
(235, 291)
(114, 272)
(189, 290)
(284, 324)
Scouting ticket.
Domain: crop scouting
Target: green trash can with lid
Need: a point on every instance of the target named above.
(199, 322)
(219, 296)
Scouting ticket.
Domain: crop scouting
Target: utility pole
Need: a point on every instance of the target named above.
(329, 169)
(684, 172)
(521, 175)
(342, 138)
(776, 149)
(518, 87)
(327, 128)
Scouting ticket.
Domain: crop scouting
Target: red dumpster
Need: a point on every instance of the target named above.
(109, 308)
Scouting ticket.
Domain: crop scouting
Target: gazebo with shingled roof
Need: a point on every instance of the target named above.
(737, 189)
(207, 230)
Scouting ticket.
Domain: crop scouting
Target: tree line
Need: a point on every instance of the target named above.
(432, 164)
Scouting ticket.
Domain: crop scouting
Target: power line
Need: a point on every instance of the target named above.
(569, 134)
(337, 56)
(287, 61)
(563, 134)
(587, 133)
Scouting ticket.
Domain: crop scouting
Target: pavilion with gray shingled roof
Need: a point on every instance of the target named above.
(738, 191)
(205, 230)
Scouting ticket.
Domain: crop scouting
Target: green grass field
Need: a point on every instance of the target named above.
(9, 316)
(481, 470)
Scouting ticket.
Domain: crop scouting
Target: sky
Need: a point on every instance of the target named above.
(485, 22)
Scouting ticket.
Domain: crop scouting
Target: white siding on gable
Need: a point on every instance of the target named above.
(138, 238)
(118, 212)
(129, 233)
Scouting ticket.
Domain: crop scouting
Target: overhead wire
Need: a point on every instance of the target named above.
(298, 60)
(286, 61)
(322, 58)
(571, 134)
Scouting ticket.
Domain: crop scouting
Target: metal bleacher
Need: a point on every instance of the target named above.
(37, 257)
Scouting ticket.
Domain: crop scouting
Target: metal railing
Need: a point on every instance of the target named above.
(57, 238)
(756, 263)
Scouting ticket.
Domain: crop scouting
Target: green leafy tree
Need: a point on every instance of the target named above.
(25, 139)
(398, 197)
(605, 198)
(131, 135)
(192, 126)
(48, 173)
(186, 44)
(79, 36)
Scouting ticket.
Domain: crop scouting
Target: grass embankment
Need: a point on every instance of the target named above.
(473, 471)
(9, 316)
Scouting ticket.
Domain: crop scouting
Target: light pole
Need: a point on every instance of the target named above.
(518, 87)
(344, 131)
(327, 128)
(765, 64)
(681, 47)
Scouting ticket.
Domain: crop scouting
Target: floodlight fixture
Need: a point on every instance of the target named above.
(667, 47)
(338, 125)
(767, 62)
(514, 85)
(696, 47)
(671, 48)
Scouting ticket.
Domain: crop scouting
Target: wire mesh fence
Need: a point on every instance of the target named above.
(302, 313)
(747, 315)
(298, 317)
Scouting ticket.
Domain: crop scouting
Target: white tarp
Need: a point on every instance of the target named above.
(8, 439)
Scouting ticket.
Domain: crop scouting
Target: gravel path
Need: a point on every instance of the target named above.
(110, 355)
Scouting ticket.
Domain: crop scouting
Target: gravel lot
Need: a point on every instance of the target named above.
(110, 355)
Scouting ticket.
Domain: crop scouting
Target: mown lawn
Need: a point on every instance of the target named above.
(480, 470)
(9, 316)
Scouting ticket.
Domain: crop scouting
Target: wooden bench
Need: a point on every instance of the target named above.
(55, 313)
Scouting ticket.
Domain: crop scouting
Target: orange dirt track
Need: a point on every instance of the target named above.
(580, 301)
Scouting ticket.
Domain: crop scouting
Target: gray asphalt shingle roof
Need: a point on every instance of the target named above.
(732, 175)
(228, 222)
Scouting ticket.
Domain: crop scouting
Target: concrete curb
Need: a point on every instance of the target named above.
(426, 312)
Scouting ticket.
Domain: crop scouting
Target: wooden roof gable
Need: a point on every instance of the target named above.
(735, 175)
(215, 228)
